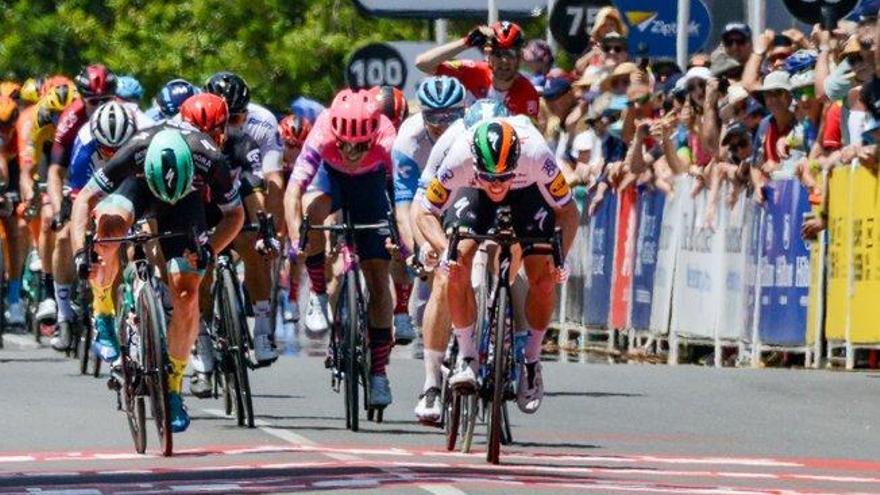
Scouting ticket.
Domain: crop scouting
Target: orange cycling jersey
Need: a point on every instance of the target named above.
(34, 137)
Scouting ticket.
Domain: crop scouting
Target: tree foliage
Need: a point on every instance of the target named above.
(283, 48)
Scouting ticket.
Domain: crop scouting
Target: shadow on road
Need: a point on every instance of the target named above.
(594, 395)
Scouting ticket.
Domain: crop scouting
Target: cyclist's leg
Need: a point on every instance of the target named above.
(435, 335)
(184, 279)
(18, 244)
(114, 216)
(404, 333)
(47, 309)
(62, 264)
(257, 281)
(318, 203)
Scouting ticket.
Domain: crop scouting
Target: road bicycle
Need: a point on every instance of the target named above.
(141, 374)
(349, 349)
(497, 362)
(230, 338)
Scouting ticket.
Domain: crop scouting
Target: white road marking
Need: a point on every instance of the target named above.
(297, 439)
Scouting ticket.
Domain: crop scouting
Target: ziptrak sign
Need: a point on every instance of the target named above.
(450, 9)
(654, 26)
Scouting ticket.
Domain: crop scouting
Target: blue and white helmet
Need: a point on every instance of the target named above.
(440, 93)
(129, 89)
(482, 109)
(173, 94)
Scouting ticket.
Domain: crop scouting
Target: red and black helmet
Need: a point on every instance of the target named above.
(96, 80)
(392, 104)
(207, 112)
(294, 130)
(506, 35)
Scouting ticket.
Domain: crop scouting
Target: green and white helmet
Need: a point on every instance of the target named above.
(169, 166)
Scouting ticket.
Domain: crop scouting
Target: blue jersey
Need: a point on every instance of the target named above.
(83, 161)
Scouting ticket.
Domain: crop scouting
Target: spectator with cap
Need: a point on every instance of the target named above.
(621, 77)
(725, 71)
(776, 92)
(560, 98)
(736, 41)
(612, 50)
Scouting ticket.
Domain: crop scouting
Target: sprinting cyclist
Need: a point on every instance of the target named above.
(495, 167)
(15, 226)
(163, 172)
(167, 101)
(443, 101)
(260, 124)
(347, 160)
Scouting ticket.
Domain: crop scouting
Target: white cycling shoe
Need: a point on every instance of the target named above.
(318, 317)
(428, 409)
(464, 379)
(47, 311)
(530, 389)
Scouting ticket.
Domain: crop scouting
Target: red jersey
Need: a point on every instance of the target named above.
(520, 99)
(72, 118)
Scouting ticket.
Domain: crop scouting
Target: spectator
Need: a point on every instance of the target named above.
(498, 77)
(774, 129)
(561, 101)
(537, 59)
(736, 41)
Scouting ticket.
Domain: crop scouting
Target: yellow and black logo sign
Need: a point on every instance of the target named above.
(437, 194)
(558, 187)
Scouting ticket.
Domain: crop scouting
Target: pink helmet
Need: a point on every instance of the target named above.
(354, 116)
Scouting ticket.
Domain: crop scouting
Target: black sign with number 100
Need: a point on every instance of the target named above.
(376, 64)
(571, 22)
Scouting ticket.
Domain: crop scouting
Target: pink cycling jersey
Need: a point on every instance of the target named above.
(320, 147)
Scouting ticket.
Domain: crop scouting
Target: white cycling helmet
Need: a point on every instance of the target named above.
(112, 125)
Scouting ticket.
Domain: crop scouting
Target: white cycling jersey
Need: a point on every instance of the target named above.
(262, 126)
(536, 166)
(409, 156)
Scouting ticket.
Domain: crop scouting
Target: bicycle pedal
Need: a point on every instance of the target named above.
(113, 384)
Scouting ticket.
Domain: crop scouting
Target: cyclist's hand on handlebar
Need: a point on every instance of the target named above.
(562, 273)
(428, 256)
(294, 254)
(267, 247)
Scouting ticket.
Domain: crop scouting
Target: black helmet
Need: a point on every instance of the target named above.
(232, 88)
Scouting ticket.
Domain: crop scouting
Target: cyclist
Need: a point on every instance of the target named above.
(497, 78)
(163, 172)
(30, 91)
(129, 89)
(209, 114)
(435, 325)
(10, 89)
(293, 129)
(110, 127)
(167, 101)
(15, 226)
(95, 85)
(347, 157)
(260, 124)
(392, 104)
(443, 101)
(498, 167)
(36, 130)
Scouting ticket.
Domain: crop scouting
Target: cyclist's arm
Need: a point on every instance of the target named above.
(567, 217)
(429, 225)
(274, 182)
(4, 170)
(293, 211)
(26, 157)
(228, 228)
(82, 208)
(225, 189)
(430, 61)
(55, 184)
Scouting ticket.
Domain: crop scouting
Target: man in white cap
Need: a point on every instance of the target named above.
(776, 92)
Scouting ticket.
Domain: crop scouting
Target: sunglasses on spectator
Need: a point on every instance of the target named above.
(736, 40)
(353, 149)
(442, 117)
(495, 179)
(775, 93)
(614, 48)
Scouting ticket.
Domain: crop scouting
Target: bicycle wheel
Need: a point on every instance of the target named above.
(85, 342)
(232, 311)
(452, 420)
(132, 398)
(152, 332)
(350, 370)
(470, 410)
(499, 379)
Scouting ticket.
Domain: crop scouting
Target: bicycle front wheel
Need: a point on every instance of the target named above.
(499, 379)
(351, 371)
(231, 313)
(152, 332)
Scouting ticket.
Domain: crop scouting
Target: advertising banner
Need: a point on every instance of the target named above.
(839, 254)
(785, 266)
(597, 281)
(699, 275)
(737, 228)
(667, 249)
(650, 218)
(865, 241)
(624, 256)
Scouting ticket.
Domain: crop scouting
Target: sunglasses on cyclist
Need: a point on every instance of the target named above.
(495, 179)
(353, 149)
(505, 54)
(442, 117)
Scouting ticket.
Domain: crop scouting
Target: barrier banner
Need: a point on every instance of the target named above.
(785, 266)
(839, 254)
(650, 218)
(667, 249)
(574, 289)
(600, 257)
(624, 255)
(865, 242)
(699, 275)
(817, 281)
(737, 228)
